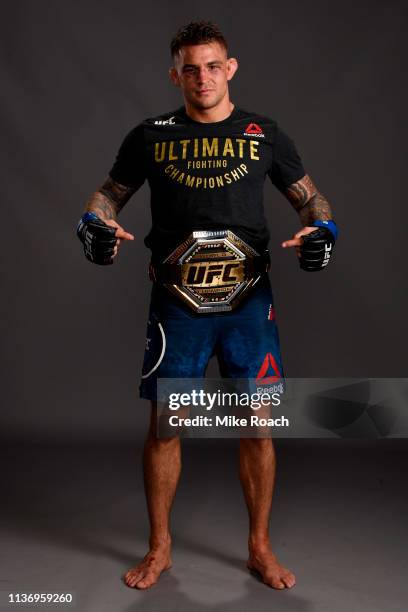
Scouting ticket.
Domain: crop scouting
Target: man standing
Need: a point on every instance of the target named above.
(206, 164)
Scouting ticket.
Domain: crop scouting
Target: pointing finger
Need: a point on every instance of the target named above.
(120, 233)
(291, 243)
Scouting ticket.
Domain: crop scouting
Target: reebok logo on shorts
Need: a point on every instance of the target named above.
(268, 366)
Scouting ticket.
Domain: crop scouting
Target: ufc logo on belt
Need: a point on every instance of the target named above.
(210, 274)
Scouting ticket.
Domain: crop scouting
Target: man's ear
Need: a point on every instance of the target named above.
(232, 67)
(174, 77)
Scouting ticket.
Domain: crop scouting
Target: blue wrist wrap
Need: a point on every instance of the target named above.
(88, 216)
(330, 225)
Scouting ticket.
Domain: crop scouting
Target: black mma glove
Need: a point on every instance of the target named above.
(98, 239)
(317, 247)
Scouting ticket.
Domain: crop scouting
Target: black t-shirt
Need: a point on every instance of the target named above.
(206, 176)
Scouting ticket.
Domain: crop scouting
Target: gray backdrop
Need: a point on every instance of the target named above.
(76, 77)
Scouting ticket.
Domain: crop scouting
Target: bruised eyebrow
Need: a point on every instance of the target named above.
(213, 63)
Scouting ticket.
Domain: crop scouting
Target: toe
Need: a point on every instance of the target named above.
(142, 585)
(278, 584)
(289, 580)
(140, 577)
(134, 577)
(147, 581)
(276, 581)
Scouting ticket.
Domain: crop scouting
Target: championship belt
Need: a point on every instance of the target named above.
(211, 271)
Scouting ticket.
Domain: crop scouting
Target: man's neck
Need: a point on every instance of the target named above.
(209, 115)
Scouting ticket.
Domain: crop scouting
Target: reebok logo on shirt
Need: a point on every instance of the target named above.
(253, 129)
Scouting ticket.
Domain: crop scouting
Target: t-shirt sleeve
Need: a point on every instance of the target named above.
(287, 166)
(129, 168)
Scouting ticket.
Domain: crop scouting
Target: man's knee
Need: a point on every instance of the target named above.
(162, 441)
(256, 444)
(155, 433)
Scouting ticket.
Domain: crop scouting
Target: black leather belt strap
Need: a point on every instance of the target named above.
(170, 273)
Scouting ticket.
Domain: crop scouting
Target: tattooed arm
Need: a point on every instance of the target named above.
(106, 203)
(109, 200)
(308, 202)
(310, 205)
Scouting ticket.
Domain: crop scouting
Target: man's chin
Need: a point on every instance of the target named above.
(205, 103)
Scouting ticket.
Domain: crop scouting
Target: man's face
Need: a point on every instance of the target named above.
(202, 72)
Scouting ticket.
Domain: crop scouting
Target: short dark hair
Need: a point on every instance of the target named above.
(197, 33)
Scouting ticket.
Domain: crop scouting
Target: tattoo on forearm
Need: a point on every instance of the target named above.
(317, 208)
(299, 193)
(308, 202)
(109, 200)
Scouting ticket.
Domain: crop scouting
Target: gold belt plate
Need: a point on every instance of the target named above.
(213, 267)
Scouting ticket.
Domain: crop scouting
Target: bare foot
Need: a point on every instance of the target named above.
(147, 573)
(271, 571)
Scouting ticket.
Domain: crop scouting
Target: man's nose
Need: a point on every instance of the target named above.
(203, 74)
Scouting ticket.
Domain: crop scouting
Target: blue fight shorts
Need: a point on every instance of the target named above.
(180, 343)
